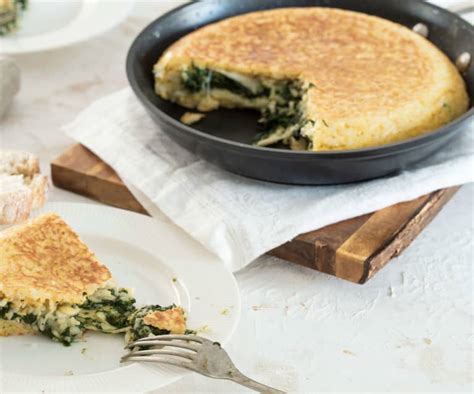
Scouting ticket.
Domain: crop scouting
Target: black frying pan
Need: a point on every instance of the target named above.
(223, 138)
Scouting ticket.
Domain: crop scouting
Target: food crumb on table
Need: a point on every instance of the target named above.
(345, 351)
(224, 311)
(391, 292)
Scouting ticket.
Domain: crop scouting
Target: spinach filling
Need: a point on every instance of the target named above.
(138, 329)
(281, 120)
(107, 311)
(9, 14)
(58, 325)
(197, 79)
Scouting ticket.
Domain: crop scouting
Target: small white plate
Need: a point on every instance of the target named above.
(50, 24)
(164, 266)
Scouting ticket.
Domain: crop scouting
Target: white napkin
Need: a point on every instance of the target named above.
(238, 218)
(9, 83)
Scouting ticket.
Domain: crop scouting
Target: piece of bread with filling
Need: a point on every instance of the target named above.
(22, 187)
(52, 284)
(45, 272)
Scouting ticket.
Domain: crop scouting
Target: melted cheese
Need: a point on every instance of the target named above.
(253, 84)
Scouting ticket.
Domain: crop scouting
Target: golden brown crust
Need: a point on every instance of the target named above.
(39, 189)
(9, 327)
(16, 203)
(44, 259)
(368, 73)
(173, 320)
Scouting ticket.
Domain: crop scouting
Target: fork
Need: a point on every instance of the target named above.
(195, 353)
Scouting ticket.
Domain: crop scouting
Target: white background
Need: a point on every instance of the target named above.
(408, 329)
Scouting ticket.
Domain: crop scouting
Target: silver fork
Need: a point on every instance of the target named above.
(194, 353)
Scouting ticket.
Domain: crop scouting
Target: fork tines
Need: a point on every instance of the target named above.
(169, 337)
(189, 343)
(159, 340)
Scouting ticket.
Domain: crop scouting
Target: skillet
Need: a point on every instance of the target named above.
(223, 137)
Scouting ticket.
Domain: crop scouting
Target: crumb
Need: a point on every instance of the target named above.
(391, 292)
(174, 280)
(69, 373)
(348, 352)
(224, 311)
(83, 350)
(265, 306)
(428, 341)
(190, 118)
(204, 329)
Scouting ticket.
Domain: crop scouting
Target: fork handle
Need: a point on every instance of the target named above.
(243, 380)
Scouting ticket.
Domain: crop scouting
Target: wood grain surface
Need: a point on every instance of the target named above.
(354, 249)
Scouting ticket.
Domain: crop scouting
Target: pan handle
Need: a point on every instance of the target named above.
(461, 6)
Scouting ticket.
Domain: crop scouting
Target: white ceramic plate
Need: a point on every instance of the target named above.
(144, 254)
(50, 24)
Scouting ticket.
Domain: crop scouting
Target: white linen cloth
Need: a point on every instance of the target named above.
(9, 83)
(238, 218)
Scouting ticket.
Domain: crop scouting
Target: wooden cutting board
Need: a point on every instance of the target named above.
(354, 249)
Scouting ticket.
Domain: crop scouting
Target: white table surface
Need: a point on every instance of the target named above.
(408, 329)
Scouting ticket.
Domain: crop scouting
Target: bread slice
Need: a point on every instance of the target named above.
(18, 163)
(16, 199)
(39, 188)
(22, 187)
